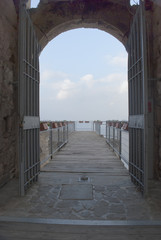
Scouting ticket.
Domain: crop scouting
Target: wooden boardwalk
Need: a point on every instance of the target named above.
(84, 192)
(86, 152)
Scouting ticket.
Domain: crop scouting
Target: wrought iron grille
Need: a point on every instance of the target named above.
(137, 100)
(28, 101)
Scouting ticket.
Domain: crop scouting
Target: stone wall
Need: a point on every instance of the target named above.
(155, 44)
(8, 88)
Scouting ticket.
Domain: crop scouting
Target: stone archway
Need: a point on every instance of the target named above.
(9, 119)
(111, 16)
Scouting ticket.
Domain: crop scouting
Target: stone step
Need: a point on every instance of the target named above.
(63, 229)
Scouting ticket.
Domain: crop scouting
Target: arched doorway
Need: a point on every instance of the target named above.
(83, 75)
(87, 15)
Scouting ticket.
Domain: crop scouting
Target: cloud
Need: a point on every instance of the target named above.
(49, 75)
(66, 88)
(124, 87)
(113, 78)
(88, 80)
(62, 94)
(84, 98)
(118, 61)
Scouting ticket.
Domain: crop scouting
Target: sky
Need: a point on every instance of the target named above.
(83, 76)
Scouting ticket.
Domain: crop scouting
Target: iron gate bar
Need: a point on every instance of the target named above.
(137, 78)
(29, 156)
(145, 77)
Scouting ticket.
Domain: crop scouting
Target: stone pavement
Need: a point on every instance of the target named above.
(84, 181)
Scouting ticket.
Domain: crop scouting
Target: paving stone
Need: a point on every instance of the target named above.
(78, 207)
(66, 204)
(116, 216)
(89, 205)
(35, 199)
(101, 208)
(98, 196)
(99, 188)
(49, 205)
(35, 209)
(114, 200)
(53, 194)
(64, 213)
(116, 208)
(85, 214)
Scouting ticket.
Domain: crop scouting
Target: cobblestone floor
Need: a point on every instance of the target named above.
(114, 197)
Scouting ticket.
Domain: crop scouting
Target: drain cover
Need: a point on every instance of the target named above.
(77, 192)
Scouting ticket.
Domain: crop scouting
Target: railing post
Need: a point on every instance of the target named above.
(120, 143)
(58, 136)
(67, 131)
(99, 128)
(113, 136)
(63, 134)
(51, 140)
(106, 130)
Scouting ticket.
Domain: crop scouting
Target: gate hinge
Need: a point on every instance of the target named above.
(21, 124)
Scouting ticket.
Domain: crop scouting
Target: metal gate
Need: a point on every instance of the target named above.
(137, 82)
(29, 159)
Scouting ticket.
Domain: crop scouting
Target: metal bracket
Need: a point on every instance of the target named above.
(30, 122)
(136, 121)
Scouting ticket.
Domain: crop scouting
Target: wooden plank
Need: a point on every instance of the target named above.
(86, 152)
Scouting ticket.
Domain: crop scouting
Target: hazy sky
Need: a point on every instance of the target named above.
(83, 76)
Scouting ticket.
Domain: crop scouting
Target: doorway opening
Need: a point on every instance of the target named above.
(136, 57)
(92, 86)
